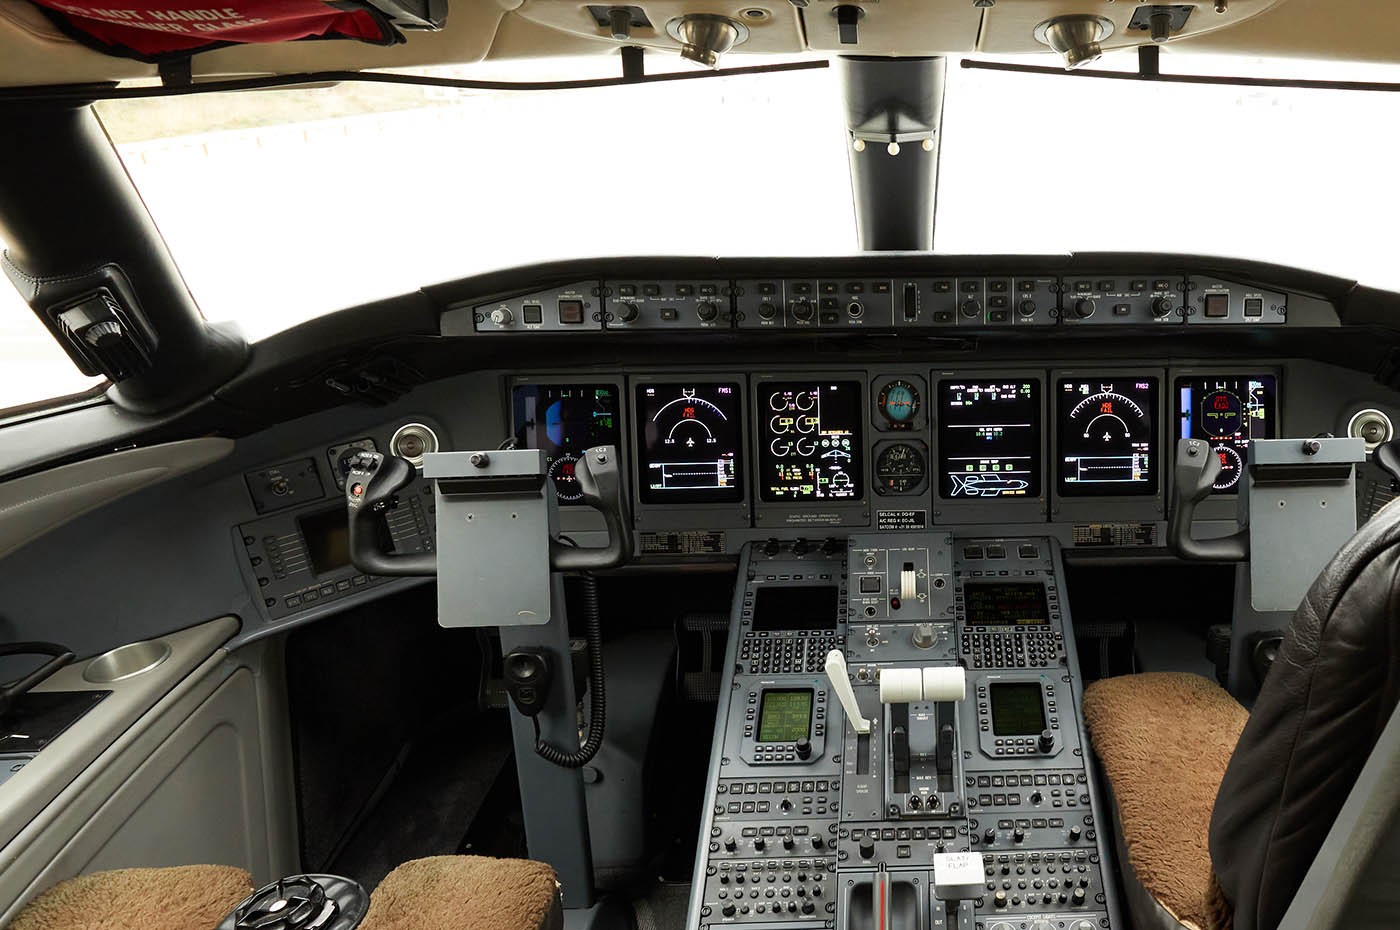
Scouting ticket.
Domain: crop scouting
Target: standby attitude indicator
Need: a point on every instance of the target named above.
(1107, 437)
(689, 439)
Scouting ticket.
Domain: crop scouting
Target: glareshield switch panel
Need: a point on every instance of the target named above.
(572, 308)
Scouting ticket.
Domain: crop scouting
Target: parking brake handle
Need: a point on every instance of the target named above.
(1197, 469)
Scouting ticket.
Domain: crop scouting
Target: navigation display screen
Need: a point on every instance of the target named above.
(690, 442)
(563, 420)
(1229, 412)
(810, 445)
(785, 716)
(1005, 603)
(989, 439)
(796, 607)
(1107, 436)
(1017, 709)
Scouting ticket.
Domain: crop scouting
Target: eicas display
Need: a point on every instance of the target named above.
(1107, 436)
(563, 420)
(689, 439)
(989, 439)
(810, 445)
(1229, 412)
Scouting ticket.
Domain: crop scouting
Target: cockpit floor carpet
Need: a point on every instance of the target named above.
(663, 908)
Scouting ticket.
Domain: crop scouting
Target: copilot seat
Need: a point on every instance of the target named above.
(1220, 831)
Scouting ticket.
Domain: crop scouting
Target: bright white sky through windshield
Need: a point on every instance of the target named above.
(283, 206)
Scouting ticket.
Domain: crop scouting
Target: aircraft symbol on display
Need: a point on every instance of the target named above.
(987, 485)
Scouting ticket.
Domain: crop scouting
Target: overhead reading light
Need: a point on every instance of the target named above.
(704, 36)
(1075, 37)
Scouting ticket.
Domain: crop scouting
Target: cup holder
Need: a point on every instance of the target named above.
(126, 661)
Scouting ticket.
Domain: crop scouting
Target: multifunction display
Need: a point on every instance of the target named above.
(1229, 412)
(1107, 436)
(1017, 709)
(690, 439)
(1005, 603)
(989, 438)
(562, 420)
(810, 445)
(796, 607)
(785, 716)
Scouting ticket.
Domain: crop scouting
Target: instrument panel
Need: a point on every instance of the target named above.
(717, 452)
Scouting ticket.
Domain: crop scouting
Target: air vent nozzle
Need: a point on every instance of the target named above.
(108, 337)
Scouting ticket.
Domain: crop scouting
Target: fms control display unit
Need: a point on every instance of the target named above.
(899, 746)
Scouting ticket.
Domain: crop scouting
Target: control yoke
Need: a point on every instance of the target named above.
(1197, 469)
(375, 480)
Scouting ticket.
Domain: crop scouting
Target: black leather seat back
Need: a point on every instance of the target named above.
(1324, 703)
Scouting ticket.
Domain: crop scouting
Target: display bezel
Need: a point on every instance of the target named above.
(619, 425)
(688, 496)
(763, 710)
(988, 510)
(822, 512)
(1156, 450)
(764, 458)
(1037, 467)
(1180, 378)
(999, 711)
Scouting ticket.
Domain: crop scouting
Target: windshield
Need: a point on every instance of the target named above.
(280, 206)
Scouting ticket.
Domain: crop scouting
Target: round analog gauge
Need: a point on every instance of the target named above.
(899, 404)
(900, 468)
(1222, 414)
(1231, 467)
(1110, 422)
(562, 473)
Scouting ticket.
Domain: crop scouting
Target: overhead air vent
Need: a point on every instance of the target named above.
(104, 336)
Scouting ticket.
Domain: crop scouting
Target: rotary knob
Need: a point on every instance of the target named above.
(1047, 740)
(924, 637)
(802, 310)
(728, 909)
(867, 849)
(1084, 307)
(971, 308)
(808, 907)
(767, 311)
(1027, 307)
(759, 844)
(1074, 833)
(501, 316)
(1161, 306)
(707, 311)
(730, 844)
(1078, 897)
(999, 899)
(627, 312)
(787, 843)
(803, 748)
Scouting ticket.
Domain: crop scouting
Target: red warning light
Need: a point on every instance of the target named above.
(1106, 407)
(688, 413)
